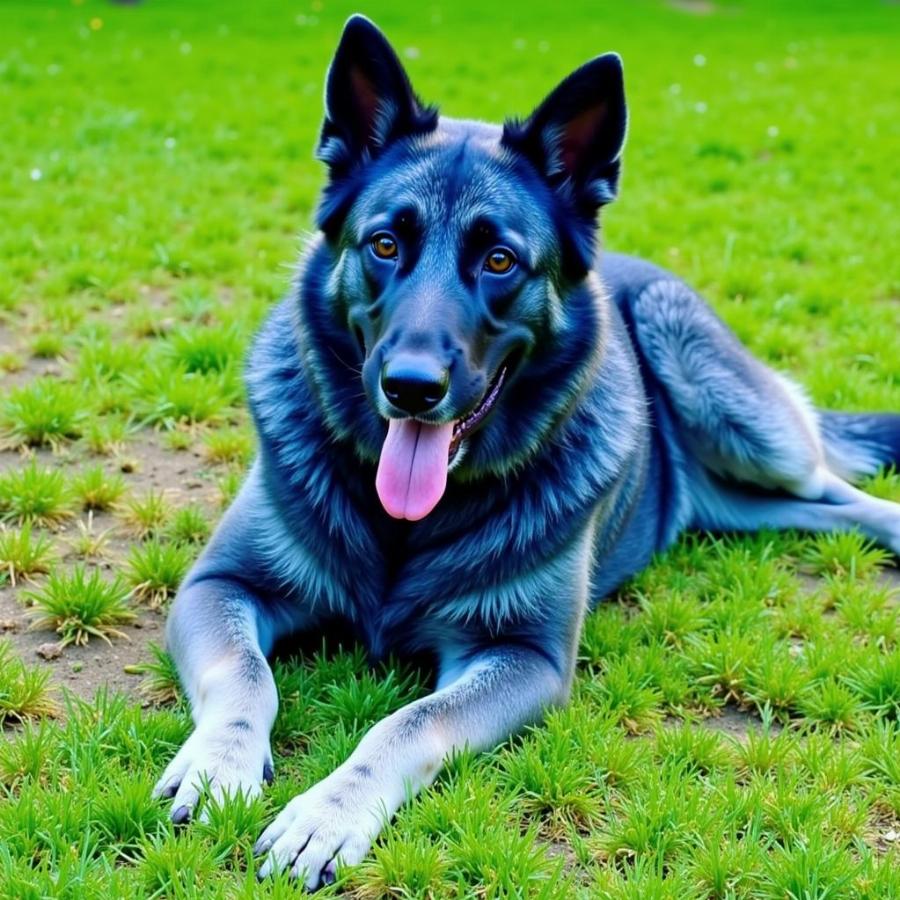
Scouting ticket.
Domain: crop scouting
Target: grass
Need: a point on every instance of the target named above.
(43, 412)
(81, 605)
(96, 489)
(147, 514)
(188, 525)
(734, 730)
(35, 494)
(24, 553)
(25, 691)
(155, 569)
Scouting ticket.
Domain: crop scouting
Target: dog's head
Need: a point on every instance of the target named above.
(453, 270)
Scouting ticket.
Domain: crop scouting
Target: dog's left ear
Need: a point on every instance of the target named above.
(575, 136)
(369, 100)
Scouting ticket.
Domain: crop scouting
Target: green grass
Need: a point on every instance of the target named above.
(43, 412)
(81, 605)
(25, 691)
(158, 169)
(96, 489)
(188, 525)
(35, 493)
(155, 568)
(24, 553)
(147, 514)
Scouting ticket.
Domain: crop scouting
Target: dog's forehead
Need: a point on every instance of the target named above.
(452, 177)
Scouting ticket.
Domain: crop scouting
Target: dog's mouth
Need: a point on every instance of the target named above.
(462, 428)
(416, 456)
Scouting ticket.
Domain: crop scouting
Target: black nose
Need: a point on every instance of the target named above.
(414, 385)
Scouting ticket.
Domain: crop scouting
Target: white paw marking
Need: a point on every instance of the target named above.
(332, 823)
(229, 759)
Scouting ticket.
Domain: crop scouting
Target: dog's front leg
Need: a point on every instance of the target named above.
(485, 696)
(214, 634)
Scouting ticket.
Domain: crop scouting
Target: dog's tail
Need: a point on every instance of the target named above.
(859, 444)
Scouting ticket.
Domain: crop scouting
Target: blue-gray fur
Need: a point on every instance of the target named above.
(630, 414)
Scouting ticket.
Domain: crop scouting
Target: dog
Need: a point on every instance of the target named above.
(471, 430)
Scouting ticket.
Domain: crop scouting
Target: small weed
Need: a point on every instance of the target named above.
(11, 362)
(88, 543)
(24, 691)
(169, 396)
(96, 489)
(24, 553)
(106, 435)
(631, 699)
(47, 345)
(179, 439)
(400, 868)
(43, 412)
(844, 553)
(161, 684)
(812, 866)
(203, 349)
(35, 494)
(229, 446)
(81, 605)
(229, 484)
(554, 783)
(188, 525)
(832, 704)
(155, 569)
(147, 515)
(876, 681)
(103, 360)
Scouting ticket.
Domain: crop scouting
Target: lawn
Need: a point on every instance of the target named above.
(735, 725)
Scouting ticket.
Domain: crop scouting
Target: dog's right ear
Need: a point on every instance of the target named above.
(369, 101)
(575, 137)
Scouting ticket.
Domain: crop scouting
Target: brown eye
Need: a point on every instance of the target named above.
(499, 261)
(384, 246)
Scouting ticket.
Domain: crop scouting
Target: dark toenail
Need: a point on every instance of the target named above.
(268, 773)
(181, 815)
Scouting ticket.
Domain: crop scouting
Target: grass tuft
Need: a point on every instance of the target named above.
(24, 553)
(81, 606)
(845, 553)
(188, 525)
(35, 494)
(44, 412)
(161, 684)
(24, 690)
(156, 567)
(96, 489)
(148, 514)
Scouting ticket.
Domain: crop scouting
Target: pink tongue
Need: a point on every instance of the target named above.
(412, 471)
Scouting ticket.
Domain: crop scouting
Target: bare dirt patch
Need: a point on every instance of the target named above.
(83, 670)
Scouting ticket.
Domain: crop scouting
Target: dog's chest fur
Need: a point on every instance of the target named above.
(474, 565)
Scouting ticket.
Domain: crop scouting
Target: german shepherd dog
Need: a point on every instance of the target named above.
(469, 431)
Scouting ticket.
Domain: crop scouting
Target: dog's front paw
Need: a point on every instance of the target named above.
(229, 758)
(334, 822)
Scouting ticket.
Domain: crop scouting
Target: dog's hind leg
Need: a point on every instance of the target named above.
(723, 506)
(743, 423)
(219, 632)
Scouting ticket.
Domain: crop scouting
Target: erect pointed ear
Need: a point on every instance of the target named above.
(369, 101)
(576, 135)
